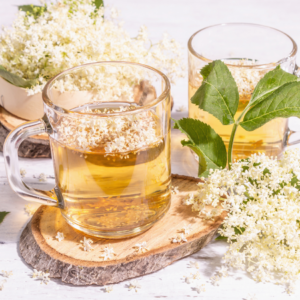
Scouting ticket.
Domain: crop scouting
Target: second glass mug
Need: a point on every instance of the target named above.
(109, 130)
(250, 51)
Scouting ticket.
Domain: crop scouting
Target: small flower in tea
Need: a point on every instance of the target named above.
(60, 236)
(134, 285)
(23, 172)
(30, 209)
(141, 248)
(109, 288)
(108, 253)
(7, 274)
(86, 243)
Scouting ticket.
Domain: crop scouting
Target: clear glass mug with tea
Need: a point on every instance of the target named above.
(249, 51)
(109, 130)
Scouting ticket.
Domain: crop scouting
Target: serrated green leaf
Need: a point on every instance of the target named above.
(98, 3)
(205, 142)
(3, 215)
(218, 93)
(17, 80)
(283, 103)
(270, 83)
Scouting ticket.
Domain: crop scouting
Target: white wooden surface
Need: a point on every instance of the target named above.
(180, 19)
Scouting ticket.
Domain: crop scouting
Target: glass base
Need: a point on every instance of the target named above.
(115, 234)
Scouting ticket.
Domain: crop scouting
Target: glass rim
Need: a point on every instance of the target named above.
(195, 53)
(47, 99)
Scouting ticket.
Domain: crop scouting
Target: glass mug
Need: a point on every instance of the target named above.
(109, 130)
(249, 51)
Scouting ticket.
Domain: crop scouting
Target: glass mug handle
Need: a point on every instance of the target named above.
(289, 131)
(10, 153)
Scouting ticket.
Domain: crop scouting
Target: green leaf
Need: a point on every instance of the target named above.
(221, 238)
(218, 93)
(2, 215)
(98, 3)
(33, 10)
(270, 83)
(205, 142)
(283, 103)
(17, 80)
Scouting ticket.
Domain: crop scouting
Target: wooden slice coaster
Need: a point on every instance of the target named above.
(36, 146)
(68, 261)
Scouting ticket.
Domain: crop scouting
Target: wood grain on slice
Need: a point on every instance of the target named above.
(68, 261)
(36, 146)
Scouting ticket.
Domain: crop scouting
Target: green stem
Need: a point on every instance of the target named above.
(232, 136)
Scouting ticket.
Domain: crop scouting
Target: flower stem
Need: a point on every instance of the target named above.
(235, 126)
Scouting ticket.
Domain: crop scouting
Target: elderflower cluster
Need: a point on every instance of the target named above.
(114, 134)
(262, 198)
(69, 33)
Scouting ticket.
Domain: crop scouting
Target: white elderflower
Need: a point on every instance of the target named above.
(179, 238)
(200, 288)
(215, 280)
(43, 276)
(60, 236)
(7, 274)
(181, 108)
(251, 297)
(174, 190)
(262, 196)
(108, 253)
(141, 248)
(23, 172)
(134, 285)
(70, 33)
(194, 264)
(109, 288)
(42, 177)
(2, 284)
(186, 229)
(87, 244)
(30, 209)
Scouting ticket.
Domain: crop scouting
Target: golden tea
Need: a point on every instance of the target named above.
(113, 173)
(268, 139)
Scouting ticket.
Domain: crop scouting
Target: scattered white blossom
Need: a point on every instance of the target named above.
(194, 264)
(223, 272)
(87, 244)
(179, 238)
(200, 288)
(181, 108)
(109, 288)
(251, 297)
(2, 284)
(193, 276)
(71, 33)
(108, 253)
(7, 274)
(43, 276)
(23, 172)
(60, 236)
(262, 196)
(30, 209)
(174, 190)
(134, 285)
(215, 280)
(141, 248)
(42, 177)
(186, 229)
